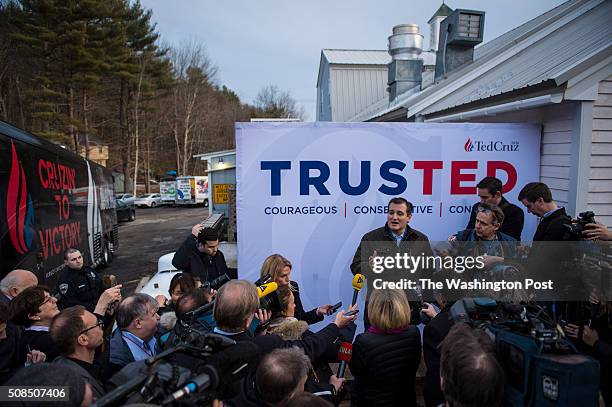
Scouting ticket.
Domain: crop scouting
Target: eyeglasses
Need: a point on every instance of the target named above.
(99, 324)
(47, 299)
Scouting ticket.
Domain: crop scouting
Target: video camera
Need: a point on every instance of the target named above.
(574, 230)
(541, 366)
(210, 368)
(217, 282)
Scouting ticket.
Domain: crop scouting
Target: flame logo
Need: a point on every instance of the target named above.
(19, 208)
(468, 145)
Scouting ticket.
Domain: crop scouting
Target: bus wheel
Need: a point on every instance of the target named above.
(206, 203)
(107, 255)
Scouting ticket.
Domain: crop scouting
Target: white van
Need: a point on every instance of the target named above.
(167, 190)
(192, 190)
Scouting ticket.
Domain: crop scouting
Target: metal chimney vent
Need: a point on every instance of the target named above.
(459, 34)
(469, 25)
(466, 28)
(406, 42)
(406, 69)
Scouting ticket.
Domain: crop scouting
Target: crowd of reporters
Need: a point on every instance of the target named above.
(67, 339)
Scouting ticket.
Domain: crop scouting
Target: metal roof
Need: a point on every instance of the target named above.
(587, 35)
(214, 154)
(357, 56)
(548, 47)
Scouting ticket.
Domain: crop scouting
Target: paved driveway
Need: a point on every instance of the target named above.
(155, 232)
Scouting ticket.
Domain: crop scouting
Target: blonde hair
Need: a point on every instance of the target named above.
(389, 309)
(274, 265)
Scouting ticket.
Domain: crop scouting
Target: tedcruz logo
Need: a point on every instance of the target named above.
(19, 208)
(468, 145)
(479, 145)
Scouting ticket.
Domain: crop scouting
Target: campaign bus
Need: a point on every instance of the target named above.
(52, 199)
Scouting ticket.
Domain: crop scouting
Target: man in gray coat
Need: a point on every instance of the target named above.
(78, 333)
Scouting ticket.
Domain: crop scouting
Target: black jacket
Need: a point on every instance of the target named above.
(37, 340)
(549, 259)
(317, 346)
(514, 218)
(86, 373)
(384, 366)
(603, 352)
(200, 265)
(433, 334)
(551, 228)
(383, 242)
(311, 316)
(11, 357)
(80, 287)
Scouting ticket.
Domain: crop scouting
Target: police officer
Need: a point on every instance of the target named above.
(78, 285)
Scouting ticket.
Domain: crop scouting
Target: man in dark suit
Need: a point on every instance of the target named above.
(396, 237)
(490, 192)
(538, 200)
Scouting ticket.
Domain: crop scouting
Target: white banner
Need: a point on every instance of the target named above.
(310, 191)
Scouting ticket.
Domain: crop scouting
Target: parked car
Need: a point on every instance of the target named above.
(150, 200)
(125, 211)
(159, 283)
(127, 198)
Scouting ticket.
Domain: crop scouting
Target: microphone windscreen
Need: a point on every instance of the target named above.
(266, 289)
(358, 281)
(345, 352)
(213, 377)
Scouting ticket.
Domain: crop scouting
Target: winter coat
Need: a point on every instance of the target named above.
(384, 366)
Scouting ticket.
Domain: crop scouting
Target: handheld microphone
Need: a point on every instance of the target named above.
(344, 356)
(266, 289)
(357, 283)
(209, 378)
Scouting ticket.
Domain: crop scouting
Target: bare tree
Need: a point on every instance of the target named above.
(275, 103)
(194, 74)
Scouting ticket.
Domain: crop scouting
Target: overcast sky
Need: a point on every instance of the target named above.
(255, 43)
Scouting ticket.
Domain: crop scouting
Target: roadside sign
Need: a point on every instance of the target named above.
(221, 193)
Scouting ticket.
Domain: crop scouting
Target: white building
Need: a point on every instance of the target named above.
(556, 71)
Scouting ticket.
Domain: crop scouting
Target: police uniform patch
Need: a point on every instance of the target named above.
(63, 288)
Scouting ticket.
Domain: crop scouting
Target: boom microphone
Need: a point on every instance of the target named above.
(357, 284)
(208, 379)
(344, 356)
(221, 371)
(266, 289)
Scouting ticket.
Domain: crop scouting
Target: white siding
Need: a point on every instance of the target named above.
(324, 111)
(352, 89)
(600, 173)
(557, 134)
